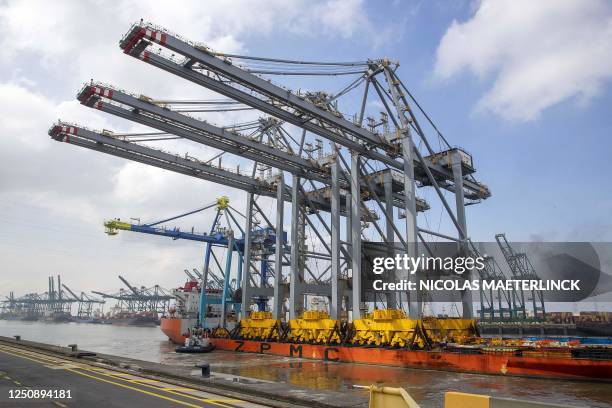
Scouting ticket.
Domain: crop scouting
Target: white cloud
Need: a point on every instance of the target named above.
(57, 46)
(17, 129)
(76, 190)
(66, 26)
(73, 181)
(47, 50)
(539, 53)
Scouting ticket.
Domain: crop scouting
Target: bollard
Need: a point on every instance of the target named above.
(205, 369)
(17, 338)
(73, 347)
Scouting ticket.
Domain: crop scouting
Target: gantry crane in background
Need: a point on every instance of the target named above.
(495, 304)
(348, 178)
(57, 301)
(54, 304)
(8, 306)
(521, 268)
(153, 300)
(86, 304)
(31, 306)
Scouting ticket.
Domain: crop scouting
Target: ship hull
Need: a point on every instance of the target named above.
(604, 330)
(134, 321)
(176, 328)
(508, 365)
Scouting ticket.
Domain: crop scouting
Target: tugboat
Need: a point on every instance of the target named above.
(196, 343)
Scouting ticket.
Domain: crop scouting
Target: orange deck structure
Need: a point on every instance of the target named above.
(496, 364)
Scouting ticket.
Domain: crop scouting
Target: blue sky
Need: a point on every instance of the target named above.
(547, 174)
(523, 87)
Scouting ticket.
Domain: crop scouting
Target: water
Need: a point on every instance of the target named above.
(427, 387)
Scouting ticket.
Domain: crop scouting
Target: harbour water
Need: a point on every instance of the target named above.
(426, 386)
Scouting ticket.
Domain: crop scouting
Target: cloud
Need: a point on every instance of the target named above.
(17, 130)
(55, 196)
(56, 47)
(538, 53)
(66, 26)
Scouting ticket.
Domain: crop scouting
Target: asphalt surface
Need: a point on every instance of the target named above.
(90, 386)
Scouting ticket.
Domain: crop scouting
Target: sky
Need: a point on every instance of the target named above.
(523, 86)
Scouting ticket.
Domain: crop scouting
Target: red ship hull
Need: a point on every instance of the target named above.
(497, 364)
(176, 328)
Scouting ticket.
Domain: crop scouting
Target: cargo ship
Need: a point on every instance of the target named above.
(177, 328)
(140, 319)
(572, 366)
(261, 334)
(389, 338)
(184, 316)
(595, 328)
(426, 349)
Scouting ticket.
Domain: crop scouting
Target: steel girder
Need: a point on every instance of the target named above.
(150, 114)
(199, 131)
(89, 139)
(76, 135)
(274, 100)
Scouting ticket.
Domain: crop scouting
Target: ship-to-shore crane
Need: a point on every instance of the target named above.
(521, 268)
(85, 303)
(221, 234)
(342, 173)
(143, 299)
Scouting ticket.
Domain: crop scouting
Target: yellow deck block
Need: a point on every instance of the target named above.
(260, 315)
(387, 314)
(386, 327)
(449, 330)
(259, 325)
(314, 326)
(315, 315)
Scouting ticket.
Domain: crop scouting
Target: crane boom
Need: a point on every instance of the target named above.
(71, 292)
(79, 136)
(137, 39)
(281, 103)
(142, 110)
(145, 112)
(97, 141)
(112, 226)
(133, 289)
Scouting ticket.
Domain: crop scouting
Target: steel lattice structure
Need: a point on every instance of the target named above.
(56, 301)
(348, 179)
(154, 299)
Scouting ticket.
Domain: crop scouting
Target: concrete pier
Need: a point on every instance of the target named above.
(97, 380)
